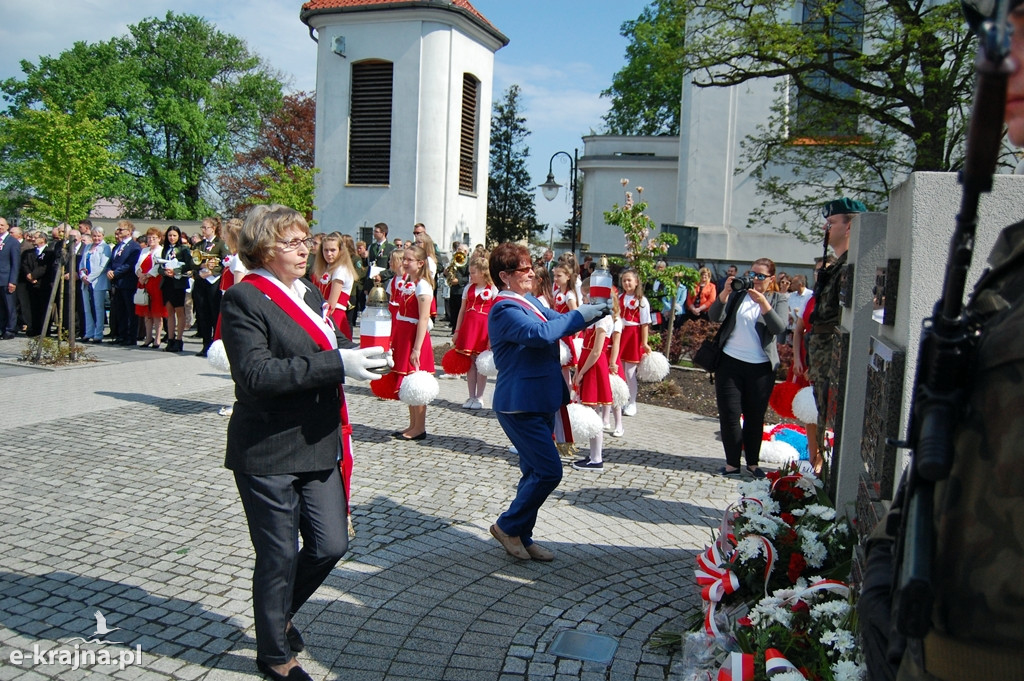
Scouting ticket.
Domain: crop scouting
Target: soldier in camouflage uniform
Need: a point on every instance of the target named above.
(826, 316)
(978, 614)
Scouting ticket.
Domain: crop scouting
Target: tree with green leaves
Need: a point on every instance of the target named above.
(183, 95)
(645, 92)
(866, 92)
(291, 186)
(645, 246)
(61, 160)
(511, 214)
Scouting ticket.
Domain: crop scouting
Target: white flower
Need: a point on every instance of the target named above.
(624, 181)
(847, 671)
(823, 512)
(832, 611)
(841, 641)
(748, 548)
(789, 676)
(814, 551)
(770, 610)
(639, 190)
(763, 524)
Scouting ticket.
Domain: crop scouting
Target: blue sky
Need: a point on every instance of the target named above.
(562, 53)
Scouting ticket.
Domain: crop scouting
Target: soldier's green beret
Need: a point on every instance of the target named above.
(842, 206)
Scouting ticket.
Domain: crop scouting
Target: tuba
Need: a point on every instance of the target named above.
(458, 260)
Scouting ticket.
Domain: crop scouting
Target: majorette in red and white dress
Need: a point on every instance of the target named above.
(561, 307)
(635, 313)
(324, 283)
(403, 330)
(472, 338)
(596, 387)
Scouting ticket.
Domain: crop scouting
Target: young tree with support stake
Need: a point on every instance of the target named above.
(62, 159)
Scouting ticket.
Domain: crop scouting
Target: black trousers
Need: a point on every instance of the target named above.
(279, 509)
(206, 304)
(123, 301)
(742, 388)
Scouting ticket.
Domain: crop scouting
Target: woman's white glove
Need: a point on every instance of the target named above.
(365, 364)
(594, 311)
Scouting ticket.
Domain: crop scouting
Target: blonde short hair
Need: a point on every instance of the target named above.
(264, 226)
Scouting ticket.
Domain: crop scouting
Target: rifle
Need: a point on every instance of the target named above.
(948, 337)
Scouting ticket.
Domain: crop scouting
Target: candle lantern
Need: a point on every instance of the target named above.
(601, 283)
(375, 320)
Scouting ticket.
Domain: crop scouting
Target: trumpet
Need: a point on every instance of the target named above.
(458, 260)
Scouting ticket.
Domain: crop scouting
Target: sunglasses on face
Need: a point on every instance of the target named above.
(758, 276)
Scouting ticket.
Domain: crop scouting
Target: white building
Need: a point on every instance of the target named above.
(690, 182)
(403, 115)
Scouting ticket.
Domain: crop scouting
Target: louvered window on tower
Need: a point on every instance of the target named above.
(369, 141)
(470, 130)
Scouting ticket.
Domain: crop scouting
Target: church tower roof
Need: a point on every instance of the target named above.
(463, 7)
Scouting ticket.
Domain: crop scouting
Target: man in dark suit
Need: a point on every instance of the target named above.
(530, 389)
(10, 265)
(379, 255)
(121, 273)
(37, 271)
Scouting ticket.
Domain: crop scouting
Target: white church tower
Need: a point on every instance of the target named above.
(403, 115)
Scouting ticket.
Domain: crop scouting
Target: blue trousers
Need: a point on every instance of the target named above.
(530, 432)
(94, 313)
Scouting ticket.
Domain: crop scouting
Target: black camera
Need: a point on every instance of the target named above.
(742, 283)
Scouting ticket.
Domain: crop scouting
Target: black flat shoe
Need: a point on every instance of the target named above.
(294, 674)
(729, 474)
(756, 472)
(400, 436)
(295, 641)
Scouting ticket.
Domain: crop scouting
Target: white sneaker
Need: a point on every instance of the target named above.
(608, 427)
(468, 404)
(476, 404)
(617, 432)
(512, 449)
(629, 410)
(226, 411)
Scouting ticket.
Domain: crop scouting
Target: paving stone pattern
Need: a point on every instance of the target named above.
(115, 499)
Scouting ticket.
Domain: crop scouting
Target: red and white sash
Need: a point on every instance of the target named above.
(322, 335)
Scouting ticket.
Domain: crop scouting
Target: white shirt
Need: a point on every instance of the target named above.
(744, 344)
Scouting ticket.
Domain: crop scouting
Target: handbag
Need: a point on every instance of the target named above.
(709, 354)
(141, 297)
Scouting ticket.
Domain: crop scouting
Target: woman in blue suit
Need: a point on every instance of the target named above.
(529, 391)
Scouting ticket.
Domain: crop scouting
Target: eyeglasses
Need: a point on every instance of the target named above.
(288, 246)
(758, 276)
(522, 270)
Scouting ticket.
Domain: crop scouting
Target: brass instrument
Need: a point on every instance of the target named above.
(458, 260)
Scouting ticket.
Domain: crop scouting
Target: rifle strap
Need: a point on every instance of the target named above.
(954, 660)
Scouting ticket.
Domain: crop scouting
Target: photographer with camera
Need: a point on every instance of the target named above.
(751, 316)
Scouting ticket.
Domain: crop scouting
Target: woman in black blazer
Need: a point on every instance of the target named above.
(173, 286)
(751, 319)
(286, 434)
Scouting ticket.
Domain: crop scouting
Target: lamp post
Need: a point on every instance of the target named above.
(550, 190)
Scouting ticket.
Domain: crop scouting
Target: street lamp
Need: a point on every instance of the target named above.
(550, 190)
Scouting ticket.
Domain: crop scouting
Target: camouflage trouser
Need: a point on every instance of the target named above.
(819, 358)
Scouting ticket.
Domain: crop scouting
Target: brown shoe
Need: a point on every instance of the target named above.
(538, 552)
(513, 546)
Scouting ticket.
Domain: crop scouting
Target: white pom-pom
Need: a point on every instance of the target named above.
(564, 354)
(418, 389)
(653, 368)
(217, 358)
(620, 391)
(804, 408)
(485, 364)
(586, 423)
(777, 452)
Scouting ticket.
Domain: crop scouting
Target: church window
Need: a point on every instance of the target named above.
(469, 133)
(369, 142)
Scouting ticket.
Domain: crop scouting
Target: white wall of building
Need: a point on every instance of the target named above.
(711, 195)
(430, 50)
(648, 162)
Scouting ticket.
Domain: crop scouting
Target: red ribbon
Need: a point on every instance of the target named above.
(739, 667)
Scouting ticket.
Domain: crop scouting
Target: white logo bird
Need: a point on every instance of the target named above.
(101, 625)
